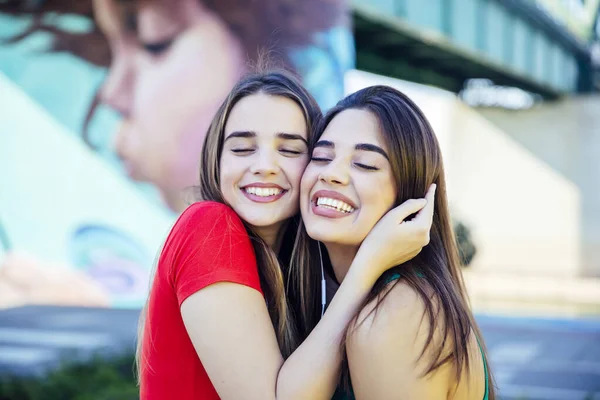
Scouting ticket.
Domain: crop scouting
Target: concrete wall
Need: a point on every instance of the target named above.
(526, 215)
(565, 135)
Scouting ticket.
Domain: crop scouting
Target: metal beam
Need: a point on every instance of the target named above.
(537, 17)
(432, 51)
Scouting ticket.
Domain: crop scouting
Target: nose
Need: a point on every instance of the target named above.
(117, 91)
(335, 173)
(265, 164)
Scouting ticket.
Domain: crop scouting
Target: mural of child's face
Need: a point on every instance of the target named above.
(167, 79)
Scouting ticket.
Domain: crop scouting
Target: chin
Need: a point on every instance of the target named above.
(322, 235)
(263, 221)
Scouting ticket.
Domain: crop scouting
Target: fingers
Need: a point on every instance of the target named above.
(409, 256)
(407, 208)
(426, 213)
(430, 195)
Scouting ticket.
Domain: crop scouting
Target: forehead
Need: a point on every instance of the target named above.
(120, 17)
(354, 126)
(268, 114)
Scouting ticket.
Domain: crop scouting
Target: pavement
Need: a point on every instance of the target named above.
(543, 358)
(532, 358)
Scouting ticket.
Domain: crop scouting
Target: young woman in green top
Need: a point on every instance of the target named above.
(415, 336)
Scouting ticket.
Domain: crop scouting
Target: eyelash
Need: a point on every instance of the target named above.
(157, 49)
(363, 166)
(294, 152)
(367, 167)
(242, 151)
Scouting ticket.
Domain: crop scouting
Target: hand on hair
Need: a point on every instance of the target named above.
(396, 239)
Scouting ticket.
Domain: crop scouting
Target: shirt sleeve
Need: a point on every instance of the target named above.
(209, 244)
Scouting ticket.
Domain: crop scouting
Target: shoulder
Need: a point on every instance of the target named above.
(206, 208)
(398, 309)
(395, 324)
(205, 226)
(208, 243)
(209, 216)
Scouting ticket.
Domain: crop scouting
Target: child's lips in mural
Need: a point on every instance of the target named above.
(123, 148)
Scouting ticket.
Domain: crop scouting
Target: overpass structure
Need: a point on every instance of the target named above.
(531, 44)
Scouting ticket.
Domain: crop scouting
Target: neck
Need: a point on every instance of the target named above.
(271, 235)
(341, 257)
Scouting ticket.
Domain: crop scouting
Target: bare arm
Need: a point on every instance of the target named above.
(233, 336)
(384, 354)
(231, 330)
(384, 350)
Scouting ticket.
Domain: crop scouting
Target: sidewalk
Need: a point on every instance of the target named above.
(532, 358)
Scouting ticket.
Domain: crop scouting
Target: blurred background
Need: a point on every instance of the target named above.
(104, 105)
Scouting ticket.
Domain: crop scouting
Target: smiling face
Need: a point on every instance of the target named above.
(264, 154)
(348, 185)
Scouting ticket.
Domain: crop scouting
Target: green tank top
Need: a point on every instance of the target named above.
(341, 394)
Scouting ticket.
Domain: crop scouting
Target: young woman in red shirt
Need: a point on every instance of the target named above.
(232, 305)
(414, 336)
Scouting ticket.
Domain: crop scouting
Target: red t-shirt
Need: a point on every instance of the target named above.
(208, 244)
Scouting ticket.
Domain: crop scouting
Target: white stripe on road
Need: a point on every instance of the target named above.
(581, 367)
(45, 337)
(25, 355)
(514, 354)
(545, 393)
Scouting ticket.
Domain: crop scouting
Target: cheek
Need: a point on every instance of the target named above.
(227, 173)
(376, 199)
(295, 169)
(308, 180)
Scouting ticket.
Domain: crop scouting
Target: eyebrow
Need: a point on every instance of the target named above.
(371, 147)
(250, 134)
(360, 146)
(292, 136)
(241, 134)
(325, 143)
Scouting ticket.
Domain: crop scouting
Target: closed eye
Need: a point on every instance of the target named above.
(319, 159)
(241, 151)
(294, 152)
(158, 48)
(367, 167)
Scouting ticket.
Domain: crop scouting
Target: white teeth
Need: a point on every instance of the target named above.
(335, 204)
(263, 192)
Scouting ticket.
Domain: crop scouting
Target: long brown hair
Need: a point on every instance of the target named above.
(274, 269)
(416, 163)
